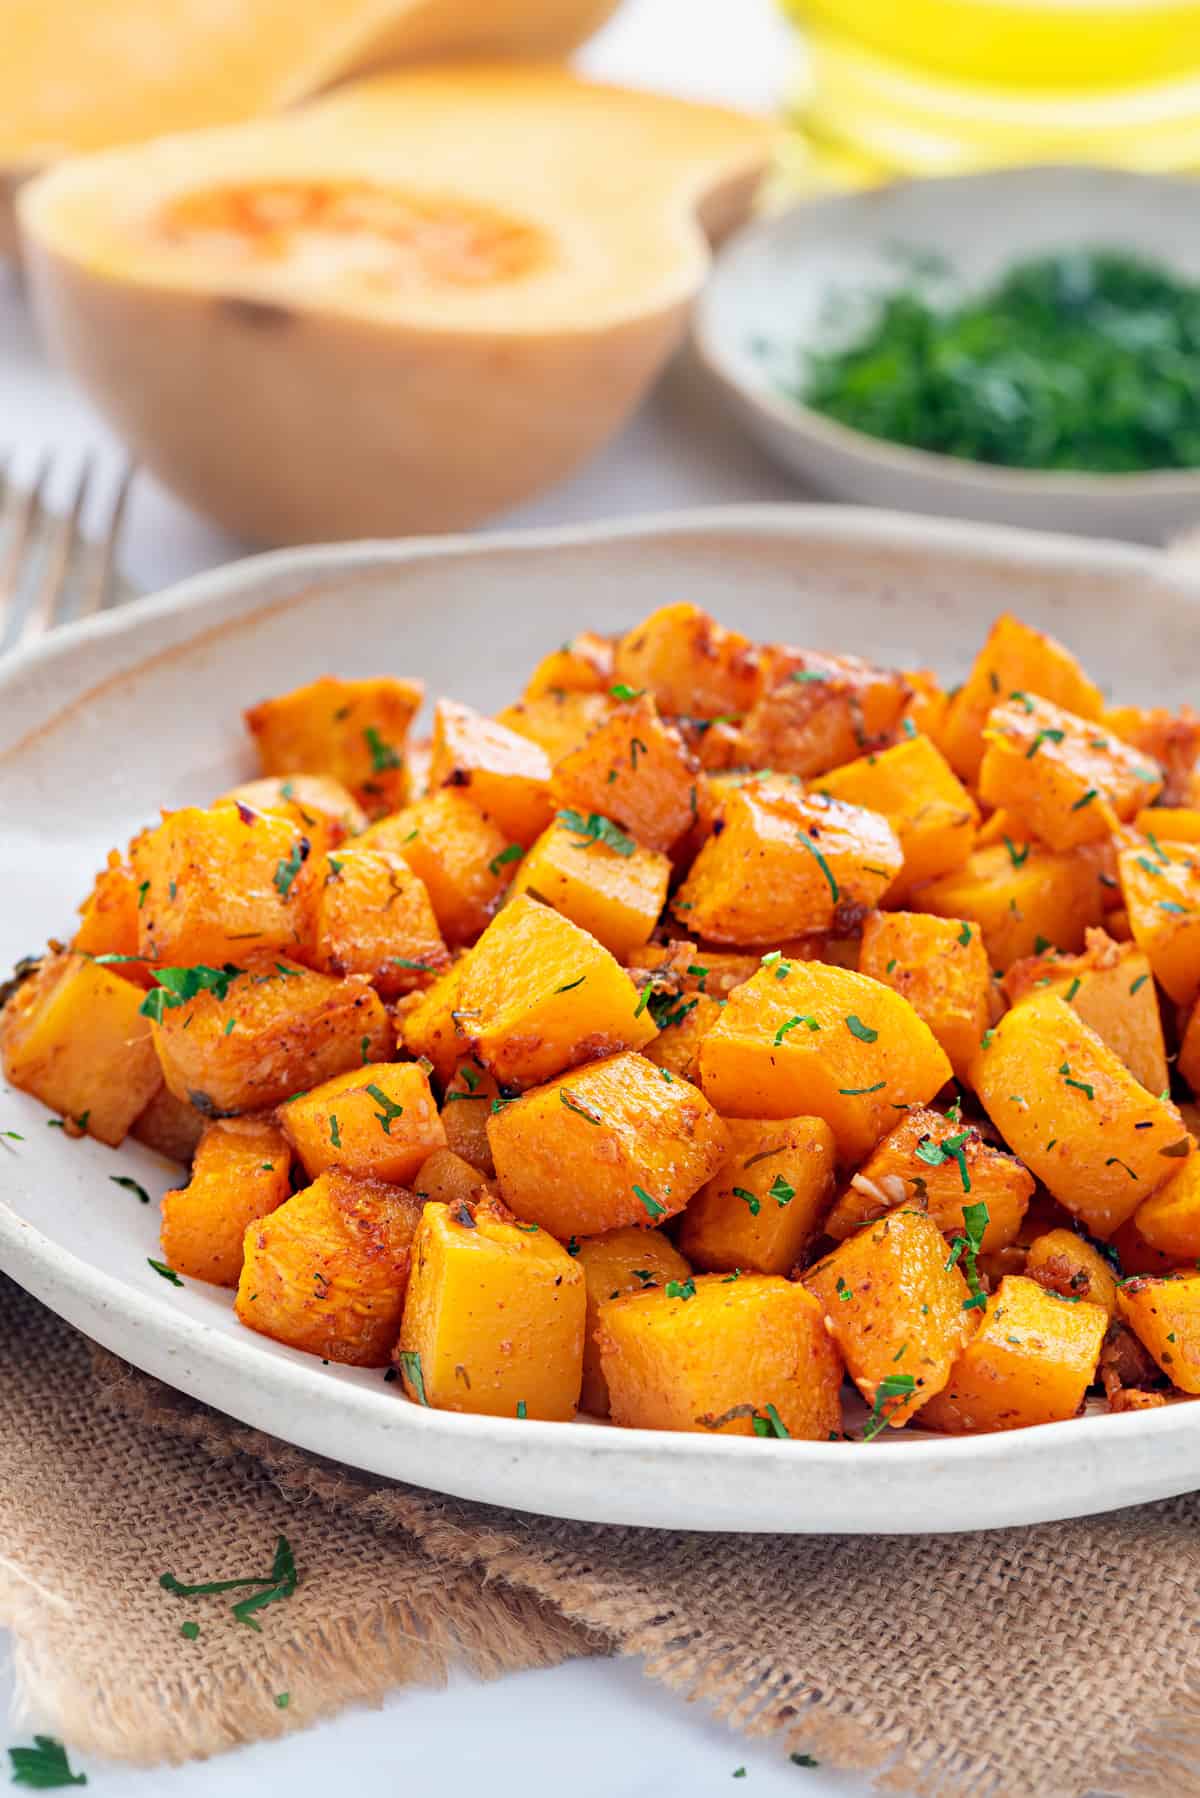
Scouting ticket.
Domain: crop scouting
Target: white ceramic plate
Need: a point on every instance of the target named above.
(797, 281)
(100, 727)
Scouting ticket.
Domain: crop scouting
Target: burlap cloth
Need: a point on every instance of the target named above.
(1053, 1662)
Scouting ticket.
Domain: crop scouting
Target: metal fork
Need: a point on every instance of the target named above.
(69, 559)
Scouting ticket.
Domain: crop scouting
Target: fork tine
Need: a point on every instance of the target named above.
(27, 512)
(98, 591)
(65, 544)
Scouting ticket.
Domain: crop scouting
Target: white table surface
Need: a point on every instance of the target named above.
(599, 1726)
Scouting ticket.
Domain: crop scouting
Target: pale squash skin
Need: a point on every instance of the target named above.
(340, 412)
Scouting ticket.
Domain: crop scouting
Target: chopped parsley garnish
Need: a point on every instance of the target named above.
(410, 1366)
(581, 1110)
(130, 1185)
(952, 1148)
(384, 759)
(890, 1394)
(822, 864)
(335, 1134)
(287, 871)
(1086, 799)
(862, 1031)
(781, 1191)
(168, 1273)
(653, 1208)
(1115, 1161)
(681, 1289)
(570, 986)
(513, 853)
(522, 1412)
(390, 1109)
(859, 1092)
(282, 1700)
(44, 1767)
(1082, 1086)
(801, 675)
(143, 889)
(749, 1199)
(622, 690)
(792, 1024)
(1017, 856)
(1072, 989)
(975, 1223)
(176, 986)
(770, 1424)
(189, 1631)
(594, 828)
(1043, 736)
(280, 1583)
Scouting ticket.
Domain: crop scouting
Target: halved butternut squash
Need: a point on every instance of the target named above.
(399, 309)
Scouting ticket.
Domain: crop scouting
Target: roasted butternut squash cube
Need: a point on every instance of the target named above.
(619, 1262)
(559, 721)
(170, 1126)
(818, 711)
(427, 1024)
(1070, 1108)
(913, 786)
(900, 1315)
(1169, 824)
(584, 665)
(378, 1122)
(73, 1036)
(1064, 1262)
(355, 731)
(328, 1270)
(1172, 739)
(1164, 1315)
(634, 770)
(615, 889)
(268, 1030)
(242, 1171)
(928, 705)
(937, 1164)
(1061, 776)
(806, 1040)
(1111, 987)
(505, 774)
(1015, 659)
(691, 664)
(1031, 1361)
(1161, 888)
(315, 799)
(108, 918)
(372, 915)
(765, 1205)
(787, 863)
(941, 967)
(744, 1356)
(494, 1318)
(466, 1107)
(461, 858)
(1136, 1255)
(221, 883)
(446, 1179)
(1022, 901)
(1170, 1221)
(615, 1142)
(537, 995)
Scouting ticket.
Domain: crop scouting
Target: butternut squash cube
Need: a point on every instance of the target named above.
(1111, 987)
(1064, 1262)
(1136, 1255)
(73, 1036)
(691, 664)
(461, 858)
(272, 1030)
(1161, 889)
(937, 1164)
(372, 915)
(915, 789)
(1031, 1361)
(501, 772)
(242, 1171)
(1172, 739)
(466, 1107)
(819, 711)
(1070, 1108)
(1169, 824)
(427, 1024)
(584, 665)
(614, 1142)
(1170, 1221)
(764, 1206)
(559, 722)
(170, 1126)
(494, 1318)
(446, 1179)
(108, 918)
(355, 731)
(220, 883)
(787, 863)
(806, 1040)
(616, 893)
(1060, 775)
(328, 1270)
(941, 967)
(378, 1122)
(1015, 659)
(538, 994)
(619, 1262)
(315, 799)
(1022, 901)
(899, 1314)
(927, 708)
(736, 1356)
(1164, 1315)
(635, 770)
